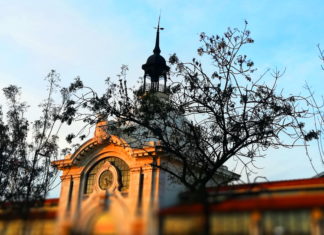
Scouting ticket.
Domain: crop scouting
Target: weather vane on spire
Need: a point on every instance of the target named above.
(157, 42)
(158, 27)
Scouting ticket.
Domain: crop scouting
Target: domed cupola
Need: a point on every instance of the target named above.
(155, 67)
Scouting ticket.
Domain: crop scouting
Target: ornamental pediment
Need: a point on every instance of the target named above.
(101, 139)
(91, 146)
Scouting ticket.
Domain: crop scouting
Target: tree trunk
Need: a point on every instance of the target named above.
(205, 212)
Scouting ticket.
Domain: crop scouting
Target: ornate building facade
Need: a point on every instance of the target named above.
(109, 187)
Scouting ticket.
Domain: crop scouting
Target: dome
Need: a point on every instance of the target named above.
(156, 59)
(155, 67)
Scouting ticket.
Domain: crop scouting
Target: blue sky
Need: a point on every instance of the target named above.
(92, 39)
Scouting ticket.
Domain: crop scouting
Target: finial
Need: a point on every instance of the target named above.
(157, 41)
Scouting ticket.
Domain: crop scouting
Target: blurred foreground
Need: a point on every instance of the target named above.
(283, 207)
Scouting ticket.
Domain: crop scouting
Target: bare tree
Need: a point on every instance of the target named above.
(321, 55)
(206, 116)
(27, 149)
(317, 104)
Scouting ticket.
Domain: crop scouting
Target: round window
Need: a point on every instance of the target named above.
(105, 180)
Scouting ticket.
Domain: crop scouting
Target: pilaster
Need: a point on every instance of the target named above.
(317, 221)
(75, 198)
(134, 188)
(147, 189)
(63, 222)
(255, 220)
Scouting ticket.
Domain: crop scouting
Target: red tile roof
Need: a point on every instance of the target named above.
(278, 195)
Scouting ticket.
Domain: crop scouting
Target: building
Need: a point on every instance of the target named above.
(110, 187)
(282, 207)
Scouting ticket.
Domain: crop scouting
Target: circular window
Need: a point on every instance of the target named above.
(122, 177)
(106, 180)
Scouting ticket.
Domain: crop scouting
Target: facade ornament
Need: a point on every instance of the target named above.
(101, 131)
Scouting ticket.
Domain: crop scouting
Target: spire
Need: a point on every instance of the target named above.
(155, 66)
(157, 40)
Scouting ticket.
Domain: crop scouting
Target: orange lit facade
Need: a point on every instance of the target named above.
(41, 221)
(283, 207)
(107, 187)
(110, 188)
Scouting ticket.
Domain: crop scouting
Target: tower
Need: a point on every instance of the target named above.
(155, 67)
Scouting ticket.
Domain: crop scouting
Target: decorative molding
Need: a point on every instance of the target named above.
(76, 176)
(135, 169)
(147, 168)
(101, 131)
(95, 142)
(65, 177)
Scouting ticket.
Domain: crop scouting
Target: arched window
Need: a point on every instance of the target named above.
(121, 167)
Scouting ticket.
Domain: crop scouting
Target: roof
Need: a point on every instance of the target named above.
(295, 183)
(276, 195)
(251, 204)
